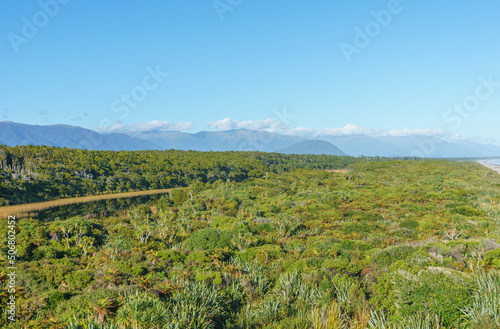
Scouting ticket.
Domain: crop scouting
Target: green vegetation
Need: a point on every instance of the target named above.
(41, 173)
(390, 244)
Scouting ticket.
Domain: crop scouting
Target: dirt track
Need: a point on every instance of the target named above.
(24, 210)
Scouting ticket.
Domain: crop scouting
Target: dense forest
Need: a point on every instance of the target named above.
(256, 240)
(41, 173)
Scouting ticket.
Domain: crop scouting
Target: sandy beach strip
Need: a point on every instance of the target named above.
(490, 165)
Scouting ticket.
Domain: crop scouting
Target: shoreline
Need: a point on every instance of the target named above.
(490, 165)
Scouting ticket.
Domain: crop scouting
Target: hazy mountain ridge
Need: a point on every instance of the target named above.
(312, 147)
(241, 140)
(13, 134)
(228, 140)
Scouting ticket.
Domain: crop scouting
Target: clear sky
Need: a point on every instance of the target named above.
(304, 67)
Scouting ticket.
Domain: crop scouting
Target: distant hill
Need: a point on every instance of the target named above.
(358, 145)
(13, 134)
(436, 147)
(243, 140)
(228, 140)
(423, 146)
(312, 147)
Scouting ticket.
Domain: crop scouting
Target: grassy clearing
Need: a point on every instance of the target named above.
(25, 210)
(339, 170)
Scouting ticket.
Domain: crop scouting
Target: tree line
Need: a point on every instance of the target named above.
(41, 173)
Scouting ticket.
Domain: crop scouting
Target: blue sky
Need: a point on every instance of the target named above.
(322, 67)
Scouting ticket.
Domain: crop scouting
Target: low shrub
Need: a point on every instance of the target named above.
(209, 239)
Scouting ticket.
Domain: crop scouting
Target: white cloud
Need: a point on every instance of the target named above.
(145, 126)
(350, 129)
(476, 139)
(347, 130)
(278, 126)
(267, 125)
(413, 132)
(305, 132)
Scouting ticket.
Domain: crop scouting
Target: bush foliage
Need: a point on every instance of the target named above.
(386, 244)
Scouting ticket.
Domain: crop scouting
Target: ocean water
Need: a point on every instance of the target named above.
(495, 162)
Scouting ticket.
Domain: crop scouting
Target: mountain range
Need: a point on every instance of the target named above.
(13, 134)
